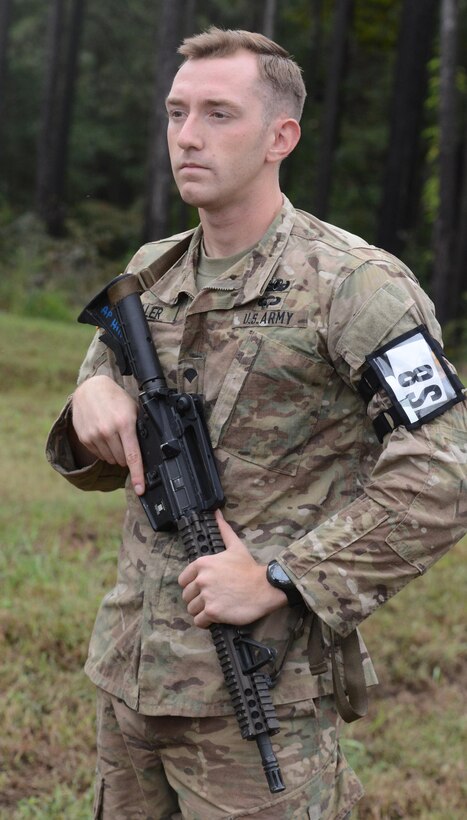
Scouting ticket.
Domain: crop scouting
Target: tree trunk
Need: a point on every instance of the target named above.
(400, 185)
(5, 16)
(189, 18)
(68, 93)
(459, 281)
(60, 80)
(46, 184)
(269, 18)
(444, 294)
(332, 107)
(315, 52)
(158, 196)
(183, 211)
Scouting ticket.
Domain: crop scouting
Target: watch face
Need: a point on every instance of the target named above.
(278, 575)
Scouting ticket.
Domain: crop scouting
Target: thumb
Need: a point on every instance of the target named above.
(229, 537)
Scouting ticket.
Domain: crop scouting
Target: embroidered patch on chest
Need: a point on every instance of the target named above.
(161, 313)
(267, 318)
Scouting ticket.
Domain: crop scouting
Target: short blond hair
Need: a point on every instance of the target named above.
(278, 71)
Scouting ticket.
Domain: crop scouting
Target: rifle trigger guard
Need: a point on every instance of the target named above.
(263, 655)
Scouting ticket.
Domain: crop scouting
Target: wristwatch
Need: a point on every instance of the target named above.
(277, 577)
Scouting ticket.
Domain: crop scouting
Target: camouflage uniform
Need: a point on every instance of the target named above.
(277, 346)
(203, 768)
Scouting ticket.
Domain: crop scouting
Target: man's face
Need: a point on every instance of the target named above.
(217, 136)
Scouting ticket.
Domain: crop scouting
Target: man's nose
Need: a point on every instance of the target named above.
(190, 135)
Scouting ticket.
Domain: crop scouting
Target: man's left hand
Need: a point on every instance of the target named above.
(229, 587)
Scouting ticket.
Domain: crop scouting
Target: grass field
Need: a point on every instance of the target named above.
(58, 555)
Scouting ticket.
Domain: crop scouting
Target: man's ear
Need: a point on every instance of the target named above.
(284, 138)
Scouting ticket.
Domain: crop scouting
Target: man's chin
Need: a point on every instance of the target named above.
(197, 199)
(191, 199)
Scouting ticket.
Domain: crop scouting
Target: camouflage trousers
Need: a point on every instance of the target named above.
(174, 768)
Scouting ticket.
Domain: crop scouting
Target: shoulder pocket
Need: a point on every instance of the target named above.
(372, 323)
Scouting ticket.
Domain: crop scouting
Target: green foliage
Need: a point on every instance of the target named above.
(22, 102)
(455, 338)
(377, 25)
(54, 278)
(431, 135)
(47, 305)
(114, 94)
(62, 803)
(108, 152)
(112, 232)
(111, 123)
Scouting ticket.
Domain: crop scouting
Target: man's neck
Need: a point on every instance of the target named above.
(230, 230)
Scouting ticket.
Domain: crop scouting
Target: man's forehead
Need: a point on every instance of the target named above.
(219, 74)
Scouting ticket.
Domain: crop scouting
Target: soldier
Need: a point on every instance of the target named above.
(339, 431)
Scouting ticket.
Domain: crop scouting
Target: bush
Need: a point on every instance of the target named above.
(54, 278)
(47, 305)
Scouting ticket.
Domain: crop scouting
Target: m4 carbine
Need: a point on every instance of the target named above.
(182, 491)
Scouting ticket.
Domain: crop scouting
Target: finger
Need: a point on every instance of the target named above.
(202, 621)
(111, 450)
(195, 606)
(101, 450)
(190, 592)
(188, 575)
(133, 459)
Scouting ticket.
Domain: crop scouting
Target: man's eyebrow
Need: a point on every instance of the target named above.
(173, 100)
(213, 102)
(219, 102)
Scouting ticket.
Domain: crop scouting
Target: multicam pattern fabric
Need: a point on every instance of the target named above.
(140, 755)
(277, 346)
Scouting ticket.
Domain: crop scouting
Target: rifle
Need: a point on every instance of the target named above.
(182, 490)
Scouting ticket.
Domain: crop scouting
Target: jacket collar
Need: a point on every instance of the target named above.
(246, 280)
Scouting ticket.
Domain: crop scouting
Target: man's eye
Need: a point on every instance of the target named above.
(175, 114)
(219, 115)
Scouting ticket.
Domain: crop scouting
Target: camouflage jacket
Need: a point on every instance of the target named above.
(277, 345)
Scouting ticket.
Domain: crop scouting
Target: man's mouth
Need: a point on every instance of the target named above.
(192, 166)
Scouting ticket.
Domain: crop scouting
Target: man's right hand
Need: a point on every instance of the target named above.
(104, 422)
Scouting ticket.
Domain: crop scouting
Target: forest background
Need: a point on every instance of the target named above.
(84, 172)
(84, 180)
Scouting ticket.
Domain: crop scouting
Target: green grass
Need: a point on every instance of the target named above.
(58, 552)
(410, 751)
(57, 556)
